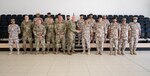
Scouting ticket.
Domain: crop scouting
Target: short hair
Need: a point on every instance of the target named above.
(68, 15)
(49, 13)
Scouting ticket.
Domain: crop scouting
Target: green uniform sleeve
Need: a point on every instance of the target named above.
(44, 31)
(71, 28)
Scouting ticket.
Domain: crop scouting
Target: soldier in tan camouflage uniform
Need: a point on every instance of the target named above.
(92, 23)
(135, 32)
(80, 24)
(107, 25)
(26, 27)
(60, 30)
(123, 36)
(113, 36)
(100, 33)
(39, 32)
(86, 30)
(50, 34)
(14, 31)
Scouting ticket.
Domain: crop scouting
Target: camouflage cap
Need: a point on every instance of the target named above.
(135, 18)
(37, 13)
(124, 19)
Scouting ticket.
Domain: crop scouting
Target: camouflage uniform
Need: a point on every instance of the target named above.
(14, 31)
(80, 24)
(26, 28)
(71, 36)
(135, 31)
(92, 24)
(86, 30)
(107, 25)
(60, 30)
(36, 18)
(100, 32)
(46, 20)
(39, 30)
(50, 36)
(123, 37)
(113, 36)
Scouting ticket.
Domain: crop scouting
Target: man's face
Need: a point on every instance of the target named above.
(48, 15)
(38, 15)
(104, 17)
(39, 21)
(68, 18)
(114, 20)
(13, 21)
(100, 20)
(73, 18)
(91, 16)
(26, 17)
(124, 21)
(60, 18)
(81, 17)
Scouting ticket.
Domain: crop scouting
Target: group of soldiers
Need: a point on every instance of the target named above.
(59, 34)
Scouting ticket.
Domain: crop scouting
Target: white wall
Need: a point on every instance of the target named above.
(134, 7)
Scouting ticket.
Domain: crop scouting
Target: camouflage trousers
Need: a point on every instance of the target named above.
(39, 41)
(133, 44)
(70, 42)
(79, 37)
(12, 41)
(99, 43)
(60, 40)
(113, 44)
(86, 42)
(122, 44)
(50, 42)
(25, 40)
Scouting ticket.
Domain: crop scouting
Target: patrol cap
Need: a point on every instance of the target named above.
(124, 19)
(37, 13)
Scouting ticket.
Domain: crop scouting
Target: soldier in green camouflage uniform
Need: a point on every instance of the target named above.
(39, 32)
(50, 34)
(135, 32)
(71, 27)
(36, 18)
(26, 27)
(60, 30)
(46, 20)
